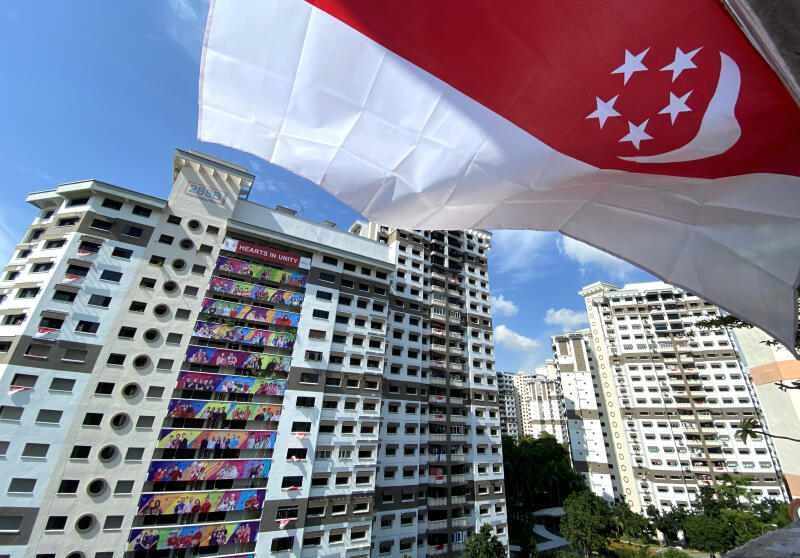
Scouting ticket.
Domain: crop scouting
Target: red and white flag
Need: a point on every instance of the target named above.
(282, 523)
(45, 332)
(15, 389)
(69, 277)
(651, 130)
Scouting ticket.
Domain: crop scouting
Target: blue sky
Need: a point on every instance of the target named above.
(108, 90)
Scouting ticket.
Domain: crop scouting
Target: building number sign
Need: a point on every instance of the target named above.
(205, 193)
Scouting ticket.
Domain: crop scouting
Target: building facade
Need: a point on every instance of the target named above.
(541, 403)
(509, 406)
(775, 373)
(653, 400)
(205, 372)
(441, 418)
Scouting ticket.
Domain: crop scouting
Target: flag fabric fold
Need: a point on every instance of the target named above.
(652, 131)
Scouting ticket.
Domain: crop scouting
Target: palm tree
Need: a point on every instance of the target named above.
(751, 428)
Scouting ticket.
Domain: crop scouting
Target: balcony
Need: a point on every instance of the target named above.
(455, 335)
(437, 502)
(437, 399)
(436, 550)
(435, 380)
(459, 522)
(458, 478)
(456, 400)
(438, 524)
(458, 418)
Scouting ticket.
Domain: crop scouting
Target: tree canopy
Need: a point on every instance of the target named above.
(484, 544)
(587, 521)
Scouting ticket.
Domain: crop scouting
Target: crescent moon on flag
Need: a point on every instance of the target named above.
(719, 129)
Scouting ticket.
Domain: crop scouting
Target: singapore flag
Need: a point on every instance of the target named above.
(652, 130)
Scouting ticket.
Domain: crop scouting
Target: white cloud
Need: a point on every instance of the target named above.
(588, 256)
(186, 25)
(518, 251)
(502, 306)
(565, 318)
(513, 341)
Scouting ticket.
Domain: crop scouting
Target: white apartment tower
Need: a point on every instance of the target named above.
(440, 458)
(541, 403)
(509, 406)
(653, 401)
(203, 372)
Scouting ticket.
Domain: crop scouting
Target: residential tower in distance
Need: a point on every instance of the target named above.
(653, 401)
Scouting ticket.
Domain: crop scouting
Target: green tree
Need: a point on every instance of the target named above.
(587, 521)
(484, 544)
(628, 523)
(743, 525)
(752, 428)
(708, 534)
(669, 523)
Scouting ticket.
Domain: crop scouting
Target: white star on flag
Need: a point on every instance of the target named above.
(636, 134)
(605, 110)
(676, 106)
(683, 61)
(632, 64)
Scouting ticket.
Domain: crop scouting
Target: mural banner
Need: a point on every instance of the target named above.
(146, 540)
(196, 470)
(216, 439)
(199, 381)
(263, 337)
(264, 272)
(257, 292)
(212, 410)
(239, 359)
(246, 312)
(200, 502)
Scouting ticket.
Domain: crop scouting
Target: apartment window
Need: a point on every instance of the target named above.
(320, 314)
(28, 292)
(309, 378)
(116, 359)
(24, 380)
(36, 268)
(112, 204)
(80, 452)
(305, 401)
(130, 230)
(316, 334)
(10, 413)
(100, 224)
(198, 269)
(134, 454)
(56, 523)
(292, 482)
(314, 356)
(301, 426)
(35, 451)
(324, 295)
(99, 300)
(174, 220)
(14, 319)
(155, 392)
(112, 276)
(51, 323)
(21, 486)
(92, 419)
(282, 543)
(104, 388)
(55, 243)
(113, 522)
(127, 332)
(123, 487)
(62, 384)
(329, 260)
(141, 211)
(65, 296)
(328, 277)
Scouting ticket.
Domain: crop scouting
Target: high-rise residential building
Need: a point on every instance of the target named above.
(541, 403)
(653, 401)
(776, 377)
(585, 414)
(205, 372)
(441, 451)
(509, 406)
